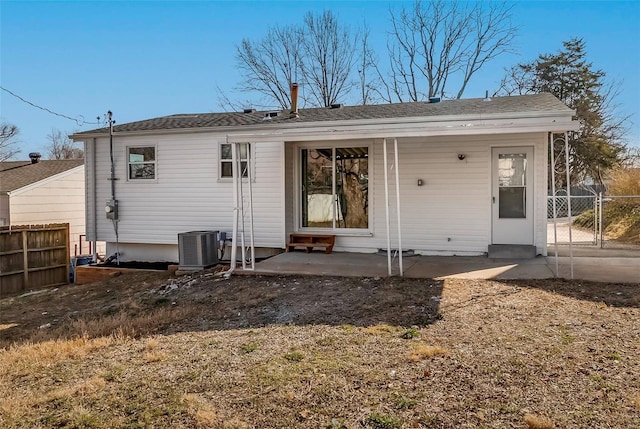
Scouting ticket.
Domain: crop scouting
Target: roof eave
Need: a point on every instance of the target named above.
(349, 122)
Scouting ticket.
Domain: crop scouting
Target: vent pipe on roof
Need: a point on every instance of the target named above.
(294, 101)
(35, 157)
(486, 96)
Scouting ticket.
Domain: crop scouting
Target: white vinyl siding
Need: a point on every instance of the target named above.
(188, 195)
(60, 200)
(4, 210)
(451, 212)
(91, 205)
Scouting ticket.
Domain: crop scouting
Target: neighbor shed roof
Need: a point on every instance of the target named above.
(542, 103)
(18, 174)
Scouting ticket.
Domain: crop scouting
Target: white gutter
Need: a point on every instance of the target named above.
(405, 130)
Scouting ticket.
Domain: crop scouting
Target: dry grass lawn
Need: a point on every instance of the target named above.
(146, 350)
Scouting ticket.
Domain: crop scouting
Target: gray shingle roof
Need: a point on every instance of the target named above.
(17, 174)
(475, 106)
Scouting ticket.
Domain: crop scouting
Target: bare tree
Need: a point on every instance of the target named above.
(437, 46)
(328, 58)
(61, 147)
(8, 133)
(367, 63)
(319, 54)
(271, 65)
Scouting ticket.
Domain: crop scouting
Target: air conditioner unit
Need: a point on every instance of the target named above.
(197, 249)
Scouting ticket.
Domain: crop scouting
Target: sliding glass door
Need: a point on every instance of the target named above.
(335, 187)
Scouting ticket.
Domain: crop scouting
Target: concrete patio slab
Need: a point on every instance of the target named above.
(617, 269)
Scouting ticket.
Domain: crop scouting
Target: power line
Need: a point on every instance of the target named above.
(79, 120)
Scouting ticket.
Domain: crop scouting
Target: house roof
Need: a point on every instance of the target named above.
(534, 103)
(18, 174)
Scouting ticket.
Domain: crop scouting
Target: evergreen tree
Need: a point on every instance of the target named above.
(598, 146)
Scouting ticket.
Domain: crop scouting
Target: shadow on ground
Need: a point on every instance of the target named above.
(611, 294)
(150, 303)
(141, 304)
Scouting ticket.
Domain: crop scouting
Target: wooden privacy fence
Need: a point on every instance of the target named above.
(33, 257)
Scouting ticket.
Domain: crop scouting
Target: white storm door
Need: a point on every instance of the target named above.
(512, 195)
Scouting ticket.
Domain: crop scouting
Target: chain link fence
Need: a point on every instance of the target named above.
(619, 223)
(597, 220)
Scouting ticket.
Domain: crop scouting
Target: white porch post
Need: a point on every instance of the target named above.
(234, 232)
(386, 205)
(238, 208)
(236, 149)
(566, 157)
(395, 149)
(553, 198)
(251, 230)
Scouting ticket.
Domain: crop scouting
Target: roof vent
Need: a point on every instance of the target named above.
(434, 99)
(337, 106)
(486, 96)
(249, 110)
(35, 157)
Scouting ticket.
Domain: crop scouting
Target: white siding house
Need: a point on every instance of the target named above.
(45, 192)
(471, 173)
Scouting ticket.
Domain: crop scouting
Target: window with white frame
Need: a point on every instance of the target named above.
(226, 162)
(141, 163)
(334, 187)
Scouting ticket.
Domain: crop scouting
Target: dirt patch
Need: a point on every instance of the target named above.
(149, 349)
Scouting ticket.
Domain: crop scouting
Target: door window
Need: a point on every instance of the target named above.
(512, 185)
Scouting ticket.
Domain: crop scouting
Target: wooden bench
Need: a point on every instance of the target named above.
(309, 241)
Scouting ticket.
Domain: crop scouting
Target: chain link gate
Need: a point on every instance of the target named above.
(585, 216)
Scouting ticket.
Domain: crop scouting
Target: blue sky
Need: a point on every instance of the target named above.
(152, 58)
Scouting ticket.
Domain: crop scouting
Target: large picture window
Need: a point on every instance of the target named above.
(226, 163)
(141, 163)
(335, 187)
